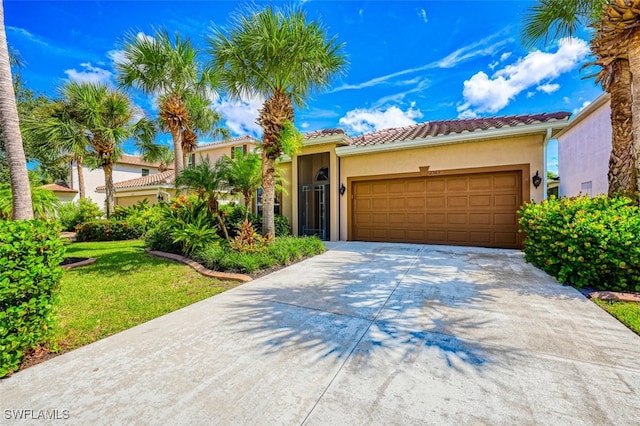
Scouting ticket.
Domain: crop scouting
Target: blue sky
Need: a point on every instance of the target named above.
(410, 61)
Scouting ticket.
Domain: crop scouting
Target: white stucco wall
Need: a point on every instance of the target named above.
(584, 148)
(95, 178)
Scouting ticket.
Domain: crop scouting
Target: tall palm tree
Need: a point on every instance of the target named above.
(169, 70)
(278, 54)
(21, 195)
(203, 120)
(616, 44)
(243, 174)
(163, 156)
(207, 182)
(105, 118)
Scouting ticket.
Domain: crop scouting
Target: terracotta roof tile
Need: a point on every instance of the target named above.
(58, 187)
(446, 127)
(245, 138)
(164, 178)
(135, 160)
(323, 132)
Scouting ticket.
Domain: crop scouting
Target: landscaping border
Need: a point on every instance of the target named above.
(200, 268)
(86, 262)
(613, 295)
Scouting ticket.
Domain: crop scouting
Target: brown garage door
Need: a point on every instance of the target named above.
(472, 209)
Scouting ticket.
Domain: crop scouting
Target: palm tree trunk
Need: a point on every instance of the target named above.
(176, 135)
(21, 192)
(248, 199)
(634, 66)
(110, 189)
(621, 163)
(81, 187)
(268, 195)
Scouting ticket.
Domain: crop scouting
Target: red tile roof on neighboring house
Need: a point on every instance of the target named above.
(135, 160)
(164, 178)
(446, 127)
(324, 132)
(58, 187)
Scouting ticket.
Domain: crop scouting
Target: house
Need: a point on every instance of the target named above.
(584, 148)
(62, 191)
(126, 168)
(156, 187)
(457, 182)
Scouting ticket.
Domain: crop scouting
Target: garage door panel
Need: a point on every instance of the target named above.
(474, 209)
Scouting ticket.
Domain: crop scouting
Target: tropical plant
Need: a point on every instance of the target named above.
(72, 214)
(169, 70)
(207, 183)
(243, 174)
(279, 55)
(12, 138)
(105, 119)
(163, 156)
(45, 203)
(616, 45)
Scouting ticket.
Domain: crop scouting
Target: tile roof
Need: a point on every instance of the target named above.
(164, 178)
(135, 160)
(58, 187)
(245, 138)
(446, 127)
(324, 132)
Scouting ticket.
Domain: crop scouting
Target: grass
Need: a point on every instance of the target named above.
(124, 288)
(627, 313)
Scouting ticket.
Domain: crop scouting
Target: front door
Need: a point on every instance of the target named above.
(313, 211)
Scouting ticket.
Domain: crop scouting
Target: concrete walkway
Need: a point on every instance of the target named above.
(363, 334)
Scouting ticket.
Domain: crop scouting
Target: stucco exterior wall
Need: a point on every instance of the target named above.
(95, 178)
(130, 198)
(583, 153)
(216, 151)
(479, 154)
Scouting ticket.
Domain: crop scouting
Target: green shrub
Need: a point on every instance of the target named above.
(583, 241)
(159, 238)
(234, 216)
(140, 215)
(107, 230)
(44, 202)
(30, 255)
(73, 214)
(282, 251)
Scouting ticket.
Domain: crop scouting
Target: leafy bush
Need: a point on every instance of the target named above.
(234, 216)
(248, 240)
(30, 255)
(73, 214)
(281, 251)
(585, 241)
(107, 230)
(186, 226)
(141, 215)
(44, 202)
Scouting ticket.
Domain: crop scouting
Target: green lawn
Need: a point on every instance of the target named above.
(627, 313)
(124, 288)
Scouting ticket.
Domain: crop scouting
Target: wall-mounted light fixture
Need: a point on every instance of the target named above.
(342, 189)
(160, 198)
(536, 180)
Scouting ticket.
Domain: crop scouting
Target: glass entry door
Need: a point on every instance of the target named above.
(313, 211)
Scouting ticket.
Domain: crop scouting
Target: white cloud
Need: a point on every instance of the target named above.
(422, 14)
(490, 94)
(505, 56)
(362, 120)
(89, 74)
(583, 106)
(530, 94)
(117, 56)
(240, 116)
(304, 125)
(548, 88)
(494, 64)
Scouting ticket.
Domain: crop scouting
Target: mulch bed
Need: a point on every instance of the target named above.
(72, 260)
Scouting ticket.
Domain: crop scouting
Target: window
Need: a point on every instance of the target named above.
(145, 172)
(238, 149)
(259, 202)
(192, 160)
(322, 175)
(585, 188)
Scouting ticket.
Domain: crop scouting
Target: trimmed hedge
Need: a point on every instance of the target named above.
(585, 242)
(30, 255)
(108, 230)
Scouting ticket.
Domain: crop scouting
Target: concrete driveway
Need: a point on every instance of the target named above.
(363, 334)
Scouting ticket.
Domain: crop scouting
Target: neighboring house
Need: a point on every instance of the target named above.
(160, 187)
(126, 168)
(584, 148)
(62, 191)
(456, 182)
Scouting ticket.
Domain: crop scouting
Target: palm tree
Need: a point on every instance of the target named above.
(278, 54)
(243, 174)
(616, 44)
(203, 120)
(169, 70)
(21, 195)
(105, 118)
(208, 184)
(163, 156)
